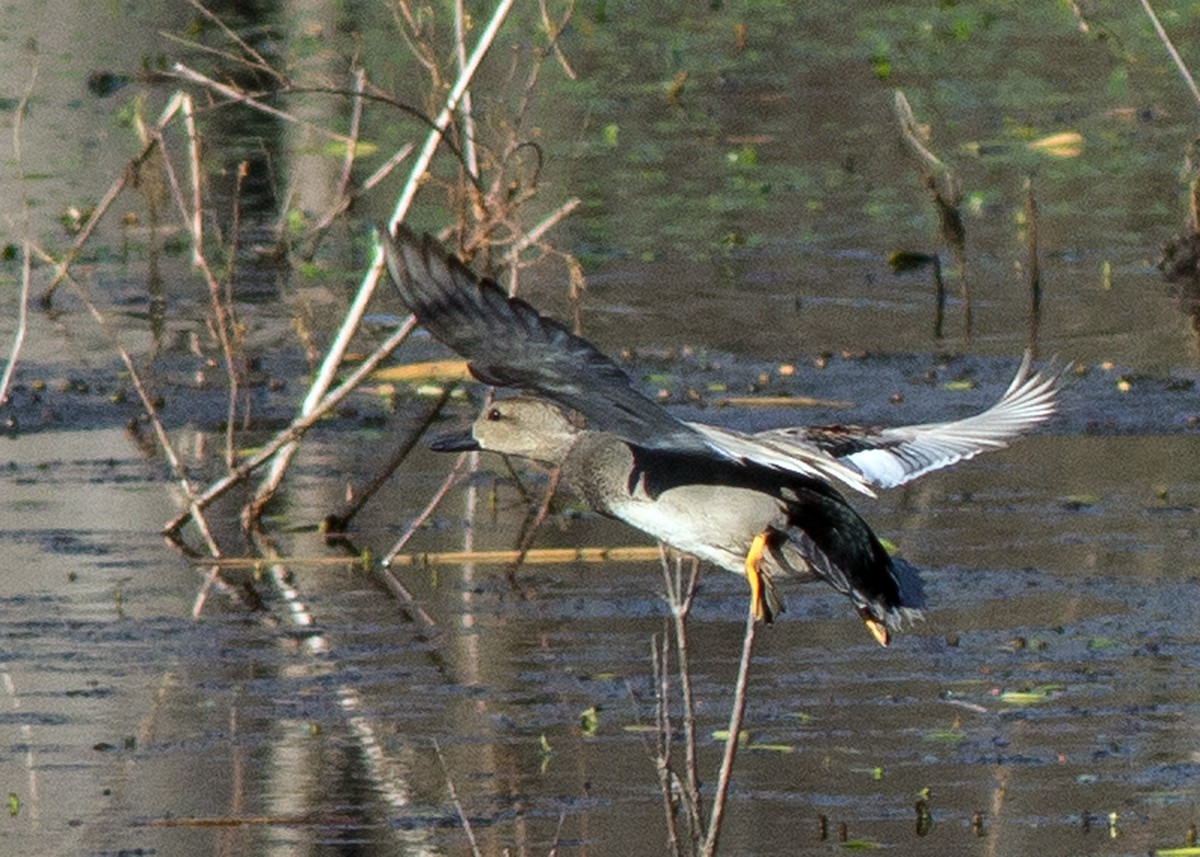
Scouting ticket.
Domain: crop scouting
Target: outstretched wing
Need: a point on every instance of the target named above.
(892, 456)
(510, 344)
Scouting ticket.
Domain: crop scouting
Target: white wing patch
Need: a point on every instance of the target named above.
(885, 458)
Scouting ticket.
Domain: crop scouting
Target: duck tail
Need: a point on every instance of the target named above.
(828, 539)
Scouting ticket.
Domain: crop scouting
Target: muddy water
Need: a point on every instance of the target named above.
(1048, 702)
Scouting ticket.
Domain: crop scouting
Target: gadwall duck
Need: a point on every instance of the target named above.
(762, 505)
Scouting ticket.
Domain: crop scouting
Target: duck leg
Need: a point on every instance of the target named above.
(763, 600)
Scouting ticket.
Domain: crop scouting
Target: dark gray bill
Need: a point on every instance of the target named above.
(458, 442)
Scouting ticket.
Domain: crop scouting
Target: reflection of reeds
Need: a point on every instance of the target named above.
(946, 194)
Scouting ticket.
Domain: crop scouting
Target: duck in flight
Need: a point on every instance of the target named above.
(764, 505)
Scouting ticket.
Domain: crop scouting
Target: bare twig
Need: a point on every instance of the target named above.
(731, 742)
(336, 522)
(532, 523)
(424, 514)
(256, 60)
(534, 235)
(553, 31)
(343, 202)
(236, 97)
(149, 145)
(194, 509)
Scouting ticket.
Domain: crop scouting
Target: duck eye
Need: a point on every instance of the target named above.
(493, 415)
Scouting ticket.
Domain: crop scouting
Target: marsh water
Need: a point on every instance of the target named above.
(735, 226)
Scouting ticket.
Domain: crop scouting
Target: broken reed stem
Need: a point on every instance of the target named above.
(350, 323)
(226, 319)
(681, 600)
(1166, 40)
(193, 215)
(26, 265)
(731, 743)
(22, 315)
(293, 431)
(1033, 271)
(337, 522)
(470, 157)
(660, 659)
(356, 108)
